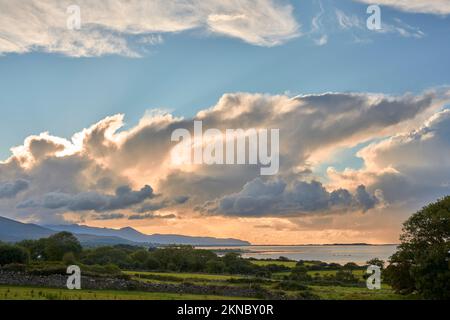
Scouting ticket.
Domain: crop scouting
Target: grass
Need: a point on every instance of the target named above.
(35, 293)
(280, 275)
(186, 276)
(289, 264)
(354, 293)
(322, 273)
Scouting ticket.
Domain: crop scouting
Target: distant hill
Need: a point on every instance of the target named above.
(131, 234)
(14, 231)
(89, 240)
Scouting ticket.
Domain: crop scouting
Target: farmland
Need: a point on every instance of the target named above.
(39, 293)
(174, 272)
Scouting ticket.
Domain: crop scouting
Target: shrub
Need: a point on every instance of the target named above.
(151, 264)
(15, 267)
(300, 273)
(291, 286)
(13, 254)
(69, 258)
(346, 276)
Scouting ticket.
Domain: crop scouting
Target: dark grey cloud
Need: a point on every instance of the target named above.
(181, 199)
(150, 216)
(165, 203)
(87, 201)
(109, 216)
(278, 198)
(10, 189)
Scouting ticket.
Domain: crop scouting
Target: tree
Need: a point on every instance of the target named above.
(300, 273)
(35, 247)
(421, 263)
(59, 244)
(351, 266)
(151, 264)
(13, 254)
(107, 255)
(215, 266)
(69, 258)
(234, 264)
(140, 257)
(376, 262)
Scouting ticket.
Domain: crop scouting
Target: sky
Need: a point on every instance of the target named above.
(88, 115)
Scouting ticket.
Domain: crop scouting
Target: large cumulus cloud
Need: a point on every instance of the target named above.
(86, 174)
(411, 167)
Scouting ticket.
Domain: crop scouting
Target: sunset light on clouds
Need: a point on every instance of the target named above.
(364, 135)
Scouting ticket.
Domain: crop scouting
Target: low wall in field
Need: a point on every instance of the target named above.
(94, 283)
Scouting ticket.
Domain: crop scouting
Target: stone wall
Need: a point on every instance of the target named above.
(94, 283)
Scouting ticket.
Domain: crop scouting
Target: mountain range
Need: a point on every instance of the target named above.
(13, 231)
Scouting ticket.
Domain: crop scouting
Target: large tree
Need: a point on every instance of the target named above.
(421, 263)
(59, 244)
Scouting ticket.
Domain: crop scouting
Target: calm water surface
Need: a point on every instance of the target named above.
(339, 254)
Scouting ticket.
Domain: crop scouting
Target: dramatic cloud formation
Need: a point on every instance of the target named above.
(109, 26)
(412, 167)
(441, 7)
(11, 189)
(102, 169)
(124, 198)
(275, 198)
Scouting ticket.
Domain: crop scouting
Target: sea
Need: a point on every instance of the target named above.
(341, 254)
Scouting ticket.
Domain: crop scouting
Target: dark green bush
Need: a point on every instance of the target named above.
(13, 254)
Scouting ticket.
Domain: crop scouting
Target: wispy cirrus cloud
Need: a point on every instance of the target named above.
(396, 26)
(439, 7)
(109, 27)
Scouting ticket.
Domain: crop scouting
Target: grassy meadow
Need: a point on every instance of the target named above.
(36, 293)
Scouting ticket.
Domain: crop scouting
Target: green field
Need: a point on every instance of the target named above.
(35, 293)
(322, 273)
(353, 293)
(186, 276)
(289, 264)
(324, 292)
